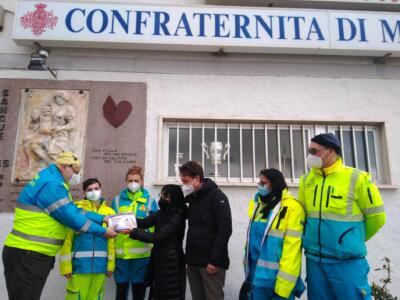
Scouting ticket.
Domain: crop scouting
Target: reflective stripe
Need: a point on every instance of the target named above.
(110, 257)
(79, 254)
(335, 217)
(276, 233)
(133, 250)
(374, 210)
(117, 203)
(350, 195)
(139, 250)
(28, 207)
(268, 264)
(36, 238)
(271, 219)
(86, 226)
(294, 233)
(149, 205)
(287, 276)
(57, 205)
(65, 257)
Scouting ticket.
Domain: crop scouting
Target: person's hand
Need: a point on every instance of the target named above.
(110, 233)
(126, 231)
(106, 219)
(109, 274)
(211, 269)
(68, 276)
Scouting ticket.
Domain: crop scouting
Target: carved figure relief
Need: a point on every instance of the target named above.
(50, 122)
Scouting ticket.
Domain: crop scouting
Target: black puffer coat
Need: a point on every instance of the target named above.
(210, 227)
(168, 276)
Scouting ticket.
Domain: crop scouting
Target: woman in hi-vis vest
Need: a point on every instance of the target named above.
(273, 246)
(132, 257)
(86, 259)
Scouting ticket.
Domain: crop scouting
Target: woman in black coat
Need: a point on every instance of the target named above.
(168, 276)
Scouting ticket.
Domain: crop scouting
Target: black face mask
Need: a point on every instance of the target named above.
(162, 203)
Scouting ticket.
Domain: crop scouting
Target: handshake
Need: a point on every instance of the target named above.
(120, 223)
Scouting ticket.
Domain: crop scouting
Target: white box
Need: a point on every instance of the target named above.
(122, 221)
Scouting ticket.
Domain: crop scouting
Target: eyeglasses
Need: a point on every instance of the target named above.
(75, 168)
(314, 151)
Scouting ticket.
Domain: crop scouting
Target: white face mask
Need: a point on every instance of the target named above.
(133, 186)
(75, 179)
(93, 195)
(314, 161)
(187, 189)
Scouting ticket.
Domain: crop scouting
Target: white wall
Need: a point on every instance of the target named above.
(245, 86)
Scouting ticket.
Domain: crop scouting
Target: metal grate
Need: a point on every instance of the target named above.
(236, 152)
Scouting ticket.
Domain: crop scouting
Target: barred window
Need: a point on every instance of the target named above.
(236, 152)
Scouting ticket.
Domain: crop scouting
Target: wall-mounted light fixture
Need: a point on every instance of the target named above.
(38, 62)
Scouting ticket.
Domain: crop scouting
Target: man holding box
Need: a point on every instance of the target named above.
(43, 213)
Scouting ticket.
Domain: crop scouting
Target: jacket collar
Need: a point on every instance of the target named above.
(285, 194)
(336, 167)
(56, 172)
(138, 196)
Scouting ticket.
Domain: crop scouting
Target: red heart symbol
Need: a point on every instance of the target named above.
(116, 114)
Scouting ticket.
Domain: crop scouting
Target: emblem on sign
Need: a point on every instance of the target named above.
(39, 20)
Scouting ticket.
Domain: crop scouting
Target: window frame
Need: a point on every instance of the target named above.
(313, 127)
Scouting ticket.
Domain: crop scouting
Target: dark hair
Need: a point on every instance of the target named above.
(277, 179)
(175, 194)
(90, 181)
(329, 140)
(192, 169)
(134, 170)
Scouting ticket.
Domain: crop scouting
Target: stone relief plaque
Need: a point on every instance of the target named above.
(50, 122)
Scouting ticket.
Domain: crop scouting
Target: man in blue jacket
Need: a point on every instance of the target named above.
(43, 213)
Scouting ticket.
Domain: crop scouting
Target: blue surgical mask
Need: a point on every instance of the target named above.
(263, 190)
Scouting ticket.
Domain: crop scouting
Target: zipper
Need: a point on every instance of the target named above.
(281, 216)
(340, 241)
(327, 197)
(320, 216)
(370, 196)
(315, 194)
(94, 240)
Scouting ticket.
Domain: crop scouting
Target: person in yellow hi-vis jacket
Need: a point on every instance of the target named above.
(86, 259)
(344, 209)
(273, 248)
(132, 257)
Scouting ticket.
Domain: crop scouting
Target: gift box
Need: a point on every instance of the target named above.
(122, 222)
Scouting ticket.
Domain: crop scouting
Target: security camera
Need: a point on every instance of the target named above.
(38, 60)
(43, 53)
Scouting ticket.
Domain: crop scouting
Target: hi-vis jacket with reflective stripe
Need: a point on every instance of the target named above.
(279, 262)
(141, 205)
(343, 209)
(85, 253)
(43, 210)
